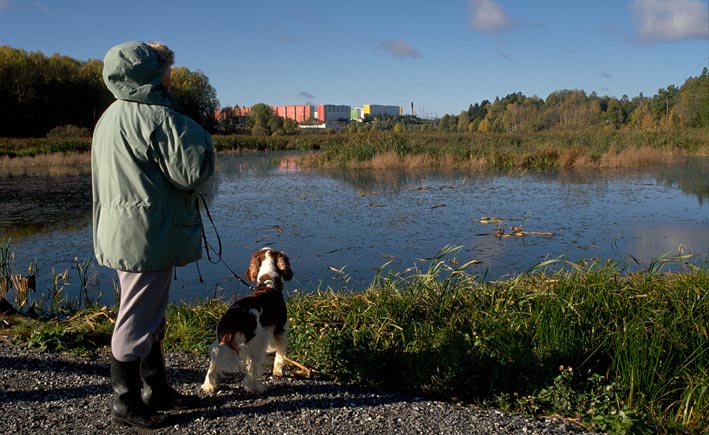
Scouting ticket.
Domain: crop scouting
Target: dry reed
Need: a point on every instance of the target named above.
(55, 164)
(638, 157)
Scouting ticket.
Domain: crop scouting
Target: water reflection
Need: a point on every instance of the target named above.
(355, 221)
(34, 205)
(692, 177)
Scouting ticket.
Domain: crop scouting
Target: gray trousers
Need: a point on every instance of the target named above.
(141, 315)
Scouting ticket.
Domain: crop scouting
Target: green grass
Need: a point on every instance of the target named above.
(32, 147)
(637, 345)
(244, 142)
(614, 351)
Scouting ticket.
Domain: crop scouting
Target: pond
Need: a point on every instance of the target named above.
(339, 226)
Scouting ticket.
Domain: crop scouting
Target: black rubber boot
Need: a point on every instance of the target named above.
(157, 393)
(128, 407)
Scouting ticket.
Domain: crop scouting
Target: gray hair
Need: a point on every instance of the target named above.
(165, 56)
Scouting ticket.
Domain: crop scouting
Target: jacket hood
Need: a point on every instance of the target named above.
(131, 72)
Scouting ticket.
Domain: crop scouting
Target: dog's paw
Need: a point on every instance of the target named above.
(209, 388)
(254, 388)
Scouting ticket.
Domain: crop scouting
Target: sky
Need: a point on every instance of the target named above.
(440, 55)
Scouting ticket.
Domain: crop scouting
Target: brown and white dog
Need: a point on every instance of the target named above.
(253, 325)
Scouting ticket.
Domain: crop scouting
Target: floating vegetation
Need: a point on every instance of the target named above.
(519, 232)
(515, 231)
(363, 194)
(490, 220)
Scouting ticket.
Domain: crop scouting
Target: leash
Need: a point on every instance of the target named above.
(209, 248)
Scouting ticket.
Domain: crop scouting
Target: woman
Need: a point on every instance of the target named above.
(147, 161)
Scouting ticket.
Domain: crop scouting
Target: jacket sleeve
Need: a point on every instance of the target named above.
(185, 153)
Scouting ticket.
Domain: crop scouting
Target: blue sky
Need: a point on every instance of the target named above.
(442, 55)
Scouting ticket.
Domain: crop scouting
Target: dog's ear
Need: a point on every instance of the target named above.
(283, 265)
(254, 265)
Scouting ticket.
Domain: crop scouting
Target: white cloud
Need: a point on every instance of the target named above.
(668, 20)
(41, 6)
(6, 5)
(399, 48)
(487, 16)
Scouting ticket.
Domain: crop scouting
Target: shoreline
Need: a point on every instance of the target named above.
(79, 164)
(382, 150)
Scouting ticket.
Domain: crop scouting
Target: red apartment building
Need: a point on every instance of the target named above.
(302, 113)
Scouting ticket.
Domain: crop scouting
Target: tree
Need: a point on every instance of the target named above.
(290, 126)
(275, 124)
(194, 96)
(227, 120)
(259, 118)
(663, 103)
(484, 126)
(463, 121)
(516, 117)
(38, 93)
(693, 101)
(478, 111)
(495, 114)
(95, 96)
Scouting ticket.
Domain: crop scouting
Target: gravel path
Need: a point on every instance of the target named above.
(43, 393)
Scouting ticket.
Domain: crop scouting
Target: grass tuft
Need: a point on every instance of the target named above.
(613, 351)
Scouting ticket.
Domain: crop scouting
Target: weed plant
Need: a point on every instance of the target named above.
(382, 150)
(613, 351)
(499, 151)
(623, 353)
(6, 259)
(53, 301)
(191, 327)
(35, 146)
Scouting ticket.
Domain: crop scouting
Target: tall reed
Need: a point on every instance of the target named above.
(642, 338)
(531, 151)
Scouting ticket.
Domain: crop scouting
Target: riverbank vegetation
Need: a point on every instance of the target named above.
(533, 151)
(389, 150)
(52, 103)
(609, 350)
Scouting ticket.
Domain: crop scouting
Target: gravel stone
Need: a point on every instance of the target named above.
(46, 393)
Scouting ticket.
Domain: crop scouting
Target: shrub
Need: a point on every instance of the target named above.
(64, 131)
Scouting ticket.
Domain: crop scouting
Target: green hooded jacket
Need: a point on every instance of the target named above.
(147, 161)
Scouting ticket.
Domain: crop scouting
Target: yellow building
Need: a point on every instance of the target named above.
(377, 109)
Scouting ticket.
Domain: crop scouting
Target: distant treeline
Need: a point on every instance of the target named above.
(686, 106)
(39, 94)
(570, 110)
